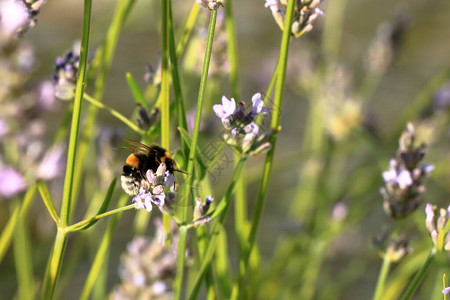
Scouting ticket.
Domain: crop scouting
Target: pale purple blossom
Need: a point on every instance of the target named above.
(271, 3)
(51, 165)
(226, 109)
(401, 177)
(240, 130)
(436, 220)
(13, 15)
(446, 291)
(46, 96)
(152, 189)
(251, 132)
(11, 182)
(168, 179)
(145, 200)
(258, 105)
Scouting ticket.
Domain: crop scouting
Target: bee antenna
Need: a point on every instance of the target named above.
(177, 170)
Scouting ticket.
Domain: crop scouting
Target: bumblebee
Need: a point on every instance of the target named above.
(142, 159)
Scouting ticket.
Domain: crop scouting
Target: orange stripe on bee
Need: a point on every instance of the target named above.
(132, 160)
(166, 156)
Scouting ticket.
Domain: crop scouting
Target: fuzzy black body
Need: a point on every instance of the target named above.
(142, 159)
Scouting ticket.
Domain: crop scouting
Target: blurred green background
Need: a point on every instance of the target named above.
(425, 51)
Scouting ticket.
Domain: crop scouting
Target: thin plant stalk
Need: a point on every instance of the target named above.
(382, 277)
(226, 200)
(420, 275)
(23, 261)
(275, 123)
(56, 258)
(176, 78)
(188, 28)
(114, 113)
(122, 11)
(190, 166)
(101, 254)
(75, 226)
(165, 105)
(240, 205)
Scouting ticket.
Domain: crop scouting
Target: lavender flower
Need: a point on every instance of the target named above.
(271, 3)
(211, 4)
(17, 16)
(51, 165)
(146, 119)
(152, 191)
(241, 131)
(147, 269)
(306, 11)
(14, 15)
(201, 209)
(225, 110)
(11, 182)
(446, 291)
(395, 248)
(403, 188)
(436, 221)
(65, 75)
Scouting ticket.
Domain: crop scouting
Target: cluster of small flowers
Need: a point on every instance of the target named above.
(153, 188)
(23, 106)
(65, 75)
(241, 131)
(403, 188)
(437, 226)
(395, 247)
(17, 16)
(211, 4)
(147, 269)
(306, 11)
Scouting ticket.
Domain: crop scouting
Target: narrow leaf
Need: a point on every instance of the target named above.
(23, 261)
(47, 198)
(138, 95)
(103, 207)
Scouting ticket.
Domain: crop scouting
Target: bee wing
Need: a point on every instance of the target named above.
(138, 147)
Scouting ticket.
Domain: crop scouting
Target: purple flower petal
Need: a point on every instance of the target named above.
(11, 182)
(226, 109)
(258, 105)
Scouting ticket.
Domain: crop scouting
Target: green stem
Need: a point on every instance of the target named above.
(188, 28)
(190, 166)
(76, 116)
(75, 226)
(114, 113)
(240, 206)
(226, 200)
(165, 91)
(382, 277)
(419, 276)
(122, 11)
(278, 101)
(181, 112)
(56, 258)
(101, 254)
